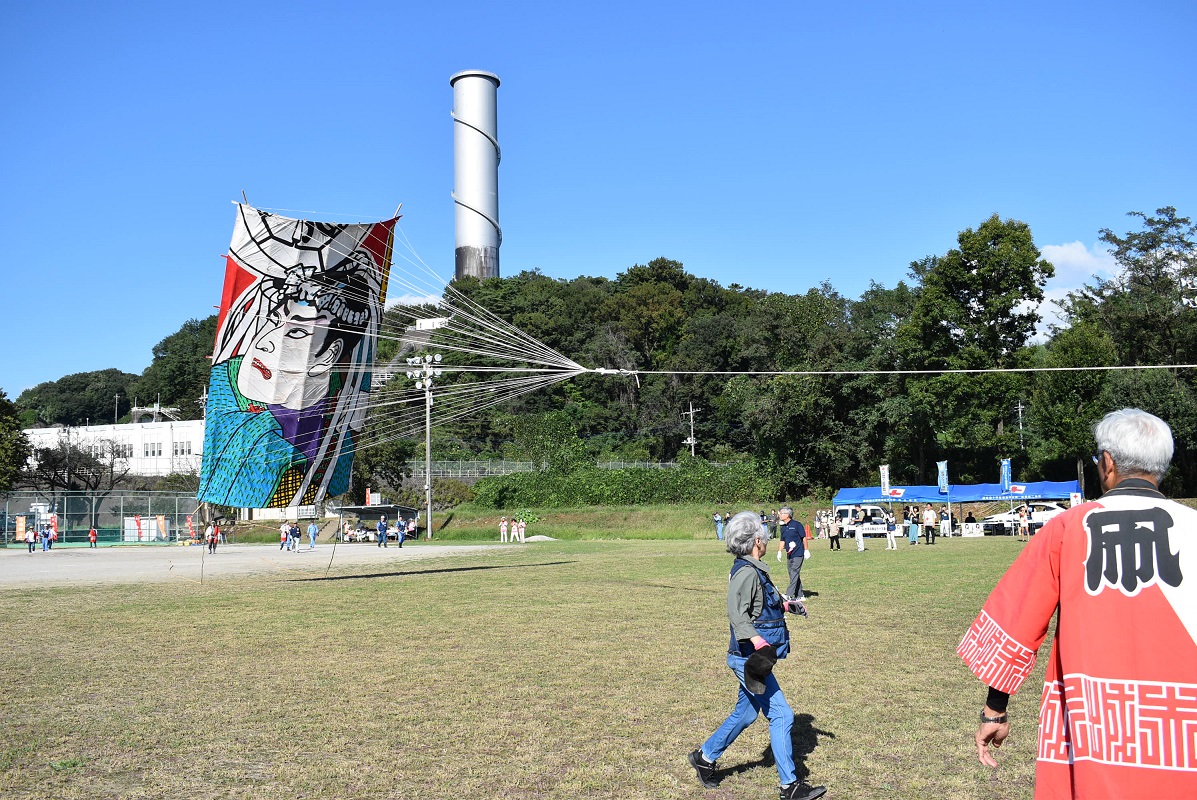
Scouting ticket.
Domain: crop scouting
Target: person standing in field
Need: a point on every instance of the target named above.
(503, 529)
(30, 537)
(313, 532)
(930, 522)
(858, 520)
(718, 518)
(891, 531)
(834, 530)
(284, 533)
(759, 637)
(411, 529)
(212, 540)
(91, 538)
(382, 532)
(522, 525)
(792, 548)
(1117, 708)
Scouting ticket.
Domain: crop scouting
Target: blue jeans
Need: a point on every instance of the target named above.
(772, 703)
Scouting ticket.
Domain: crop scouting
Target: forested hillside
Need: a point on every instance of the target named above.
(971, 308)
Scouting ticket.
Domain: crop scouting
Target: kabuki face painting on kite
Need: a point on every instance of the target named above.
(294, 353)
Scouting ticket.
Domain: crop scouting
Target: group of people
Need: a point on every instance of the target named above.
(1116, 711)
(402, 531)
(515, 529)
(288, 536)
(48, 536)
(769, 519)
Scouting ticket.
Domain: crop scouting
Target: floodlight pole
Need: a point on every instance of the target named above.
(425, 369)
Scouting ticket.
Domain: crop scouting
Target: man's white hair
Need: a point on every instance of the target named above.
(1137, 441)
(743, 531)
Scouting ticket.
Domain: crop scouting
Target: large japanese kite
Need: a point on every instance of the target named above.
(291, 371)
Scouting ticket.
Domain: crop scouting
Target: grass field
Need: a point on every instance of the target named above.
(557, 670)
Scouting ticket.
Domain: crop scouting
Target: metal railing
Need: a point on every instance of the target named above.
(485, 468)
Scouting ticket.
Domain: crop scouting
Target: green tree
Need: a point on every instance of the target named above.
(549, 440)
(78, 398)
(1064, 405)
(181, 367)
(14, 446)
(1147, 307)
(976, 309)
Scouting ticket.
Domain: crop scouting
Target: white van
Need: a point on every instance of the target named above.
(874, 524)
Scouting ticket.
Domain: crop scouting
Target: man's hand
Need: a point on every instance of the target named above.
(990, 733)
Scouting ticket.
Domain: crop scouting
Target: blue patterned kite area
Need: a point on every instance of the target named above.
(291, 370)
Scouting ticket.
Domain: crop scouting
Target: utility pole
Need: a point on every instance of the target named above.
(691, 441)
(1020, 408)
(424, 370)
(116, 408)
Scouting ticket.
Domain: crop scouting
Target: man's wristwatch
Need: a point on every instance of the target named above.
(1002, 717)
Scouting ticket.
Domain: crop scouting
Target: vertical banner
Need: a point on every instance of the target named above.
(885, 478)
(1005, 476)
(368, 493)
(54, 525)
(137, 522)
(943, 476)
(20, 528)
(161, 533)
(190, 527)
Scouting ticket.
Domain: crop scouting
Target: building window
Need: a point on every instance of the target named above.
(182, 448)
(153, 450)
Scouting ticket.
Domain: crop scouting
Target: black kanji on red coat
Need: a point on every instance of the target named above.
(1129, 547)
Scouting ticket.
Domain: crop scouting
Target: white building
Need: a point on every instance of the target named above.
(149, 448)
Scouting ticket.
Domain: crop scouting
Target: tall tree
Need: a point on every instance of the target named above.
(1147, 308)
(14, 446)
(179, 372)
(976, 309)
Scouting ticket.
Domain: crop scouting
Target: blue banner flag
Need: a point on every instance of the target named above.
(943, 476)
(1005, 477)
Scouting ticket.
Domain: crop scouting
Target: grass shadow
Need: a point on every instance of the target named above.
(403, 574)
(805, 738)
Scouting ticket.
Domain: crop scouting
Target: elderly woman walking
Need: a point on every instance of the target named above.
(759, 637)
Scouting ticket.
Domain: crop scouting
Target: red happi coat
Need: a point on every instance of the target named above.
(1118, 713)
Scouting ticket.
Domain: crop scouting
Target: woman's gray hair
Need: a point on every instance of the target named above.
(1137, 441)
(743, 531)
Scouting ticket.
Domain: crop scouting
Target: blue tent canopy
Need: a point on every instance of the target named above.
(958, 493)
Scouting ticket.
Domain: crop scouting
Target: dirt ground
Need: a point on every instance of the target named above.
(141, 564)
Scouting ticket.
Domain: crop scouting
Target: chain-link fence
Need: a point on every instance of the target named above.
(118, 517)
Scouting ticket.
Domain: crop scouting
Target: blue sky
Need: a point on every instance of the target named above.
(775, 145)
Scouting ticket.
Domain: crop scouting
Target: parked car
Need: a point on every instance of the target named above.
(1007, 521)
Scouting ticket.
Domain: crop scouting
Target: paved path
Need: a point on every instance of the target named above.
(142, 564)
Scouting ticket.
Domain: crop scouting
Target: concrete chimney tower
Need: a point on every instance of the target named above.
(476, 158)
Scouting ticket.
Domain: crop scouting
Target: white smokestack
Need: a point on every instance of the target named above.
(476, 174)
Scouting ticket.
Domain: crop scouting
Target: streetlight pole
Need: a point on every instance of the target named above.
(424, 370)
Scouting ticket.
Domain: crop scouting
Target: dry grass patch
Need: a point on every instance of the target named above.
(563, 670)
